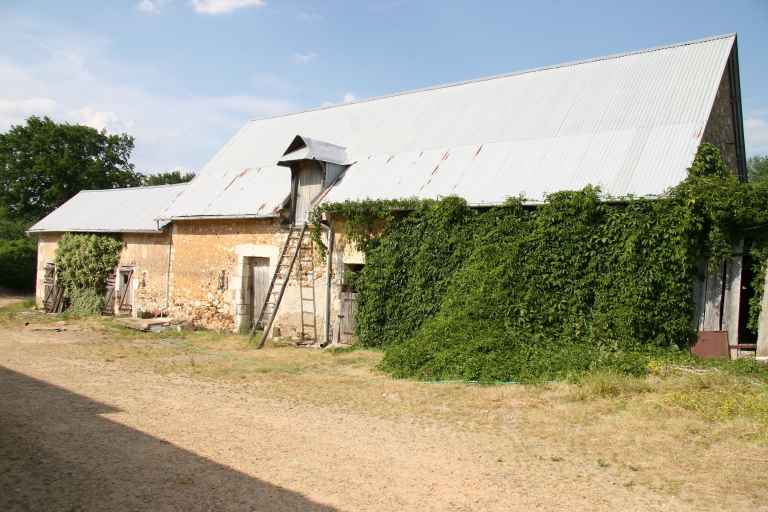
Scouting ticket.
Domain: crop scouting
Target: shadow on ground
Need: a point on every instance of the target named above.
(57, 453)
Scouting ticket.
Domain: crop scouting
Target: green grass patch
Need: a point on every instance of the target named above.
(609, 384)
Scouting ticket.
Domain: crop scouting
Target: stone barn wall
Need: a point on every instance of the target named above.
(148, 255)
(720, 130)
(207, 273)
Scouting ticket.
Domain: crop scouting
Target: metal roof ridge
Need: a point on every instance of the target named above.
(141, 187)
(499, 76)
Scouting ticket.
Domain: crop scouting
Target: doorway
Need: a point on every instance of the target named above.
(256, 280)
(125, 287)
(347, 315)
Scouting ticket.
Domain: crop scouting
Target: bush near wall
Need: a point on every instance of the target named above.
(531, 294)
(83, 262)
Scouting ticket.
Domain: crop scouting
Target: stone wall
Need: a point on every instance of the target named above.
(148, 255)
(208, 258)
(720, 129)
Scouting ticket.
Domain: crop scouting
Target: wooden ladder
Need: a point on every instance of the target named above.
(279, 282)
(306, 271)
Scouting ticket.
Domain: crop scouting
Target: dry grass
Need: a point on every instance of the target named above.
(676, 431)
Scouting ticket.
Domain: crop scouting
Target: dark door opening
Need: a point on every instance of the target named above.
(746, 302)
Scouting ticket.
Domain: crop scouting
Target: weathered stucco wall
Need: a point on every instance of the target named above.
(720, 129)
(207, 273)
(46, 252)
(148, 255)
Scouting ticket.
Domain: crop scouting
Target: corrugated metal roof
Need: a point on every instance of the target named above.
(304, 148)
(120, 210)
(629, 123)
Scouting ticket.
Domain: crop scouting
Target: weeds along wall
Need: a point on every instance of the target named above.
(529, 294)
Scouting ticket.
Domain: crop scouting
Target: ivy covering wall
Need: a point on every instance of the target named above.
(528, 294)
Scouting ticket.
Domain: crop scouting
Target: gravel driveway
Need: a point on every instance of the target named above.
(79, 434)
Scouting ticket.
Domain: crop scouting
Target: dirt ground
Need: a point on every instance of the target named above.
(100, 419)
(8, 297)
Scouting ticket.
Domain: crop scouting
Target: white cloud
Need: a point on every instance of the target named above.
(26, 107)
(304, 58)
(75, 79)
(101, 120)
(223, 6)
(151, 6)
(756, 133)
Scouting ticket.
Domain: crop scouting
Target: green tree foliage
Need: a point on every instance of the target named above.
(757, 168)
(44, 163)
(166, 178)
(17, 263)
(83, 262)
(12, 227)
(18, 254)
(529, 294)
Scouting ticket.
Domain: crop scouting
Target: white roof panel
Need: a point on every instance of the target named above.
(120, 210)
(630, 123)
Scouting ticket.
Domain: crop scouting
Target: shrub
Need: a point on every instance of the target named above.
(84, 302)
(18, 263)
(83, 262)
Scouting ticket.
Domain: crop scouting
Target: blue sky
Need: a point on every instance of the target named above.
(183, 75)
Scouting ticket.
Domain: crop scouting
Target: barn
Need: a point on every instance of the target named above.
(230, 250)
(140, 281)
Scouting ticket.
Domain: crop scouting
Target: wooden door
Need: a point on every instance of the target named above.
(49, 282)
(259, 284)
(109, 295)
(53, 292)
(348, 323)
(125, 283)
(309, 184)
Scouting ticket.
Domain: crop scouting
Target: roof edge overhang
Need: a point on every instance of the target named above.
(541, 202)
(222, 217)
(82, 230)
(735, 78)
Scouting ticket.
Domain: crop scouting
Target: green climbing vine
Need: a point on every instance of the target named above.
(83, 262)
(363, 220)
(525, 294)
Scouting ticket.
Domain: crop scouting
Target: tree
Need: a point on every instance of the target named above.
(166, 178)
(17, 263)
(44, 163)
(757, 168)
